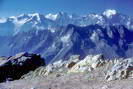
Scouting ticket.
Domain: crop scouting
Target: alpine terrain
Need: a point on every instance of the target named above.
(63, 51)
(58, 36)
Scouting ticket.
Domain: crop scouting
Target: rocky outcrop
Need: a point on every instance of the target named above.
(121, 69)
(72, 61)
(62, 66)
(14, 67)
(73, 65)
(58, 67)
(96, 65)
(89, 63)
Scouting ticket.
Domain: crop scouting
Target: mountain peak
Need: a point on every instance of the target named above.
(109, 12)
(34, 14)
(37, 15)
(51, 16)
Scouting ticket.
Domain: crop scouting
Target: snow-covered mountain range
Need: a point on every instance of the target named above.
(57, 36)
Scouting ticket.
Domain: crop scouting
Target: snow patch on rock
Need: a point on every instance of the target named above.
(51, 16)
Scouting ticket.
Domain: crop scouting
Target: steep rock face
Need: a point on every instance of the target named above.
(61, 35)
(72, 40)
(16, 66)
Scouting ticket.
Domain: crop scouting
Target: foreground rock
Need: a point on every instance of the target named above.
(93, 72)
(110, 69)
(73, 65)
(57, 68)
(14, 67)
(89, 63)
(91, 80)
(122, 69)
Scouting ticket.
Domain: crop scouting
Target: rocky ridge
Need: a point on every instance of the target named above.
(94, 71)
(113, 69)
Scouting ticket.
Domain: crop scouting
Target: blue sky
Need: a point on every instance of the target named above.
(16, 7)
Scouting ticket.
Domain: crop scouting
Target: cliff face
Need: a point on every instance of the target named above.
(112, 41)
(61, 35)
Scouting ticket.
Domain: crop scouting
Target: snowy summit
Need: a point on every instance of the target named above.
(51, 16)
(109, 13)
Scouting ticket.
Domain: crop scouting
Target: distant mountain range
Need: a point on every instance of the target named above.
(58, 36)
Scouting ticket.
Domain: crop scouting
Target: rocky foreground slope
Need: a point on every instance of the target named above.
(92, 72)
